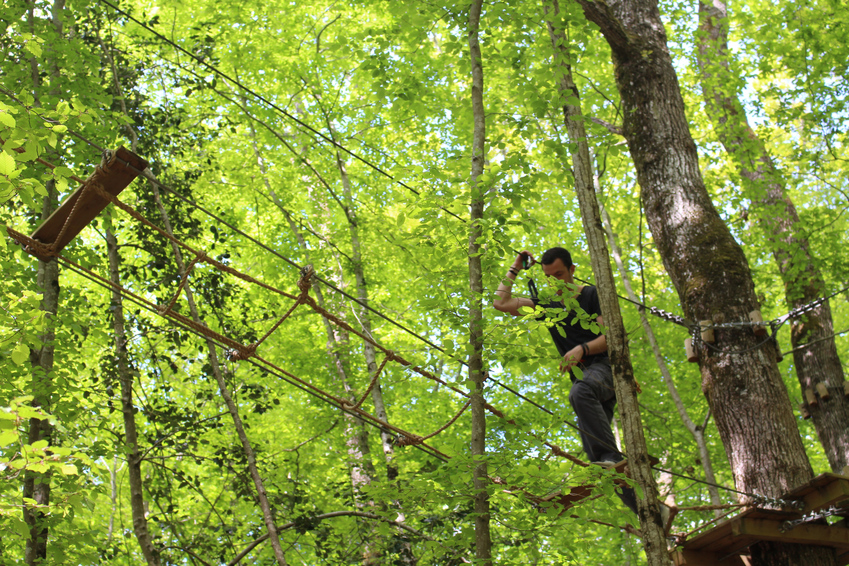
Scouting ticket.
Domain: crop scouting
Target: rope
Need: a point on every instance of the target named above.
(223, 341)
(182, 284)
(372, 382)
(87, 186)
(407, 441)
(246, 352)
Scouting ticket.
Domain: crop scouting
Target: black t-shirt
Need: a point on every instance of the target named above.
(567, 335)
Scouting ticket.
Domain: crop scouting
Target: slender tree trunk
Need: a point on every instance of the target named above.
(483, 541)
(125, 377)
(648, 508)
(267, 513)
(125, 373)
(744, 388)
(350, 211)
(814, 352)
(696, 431)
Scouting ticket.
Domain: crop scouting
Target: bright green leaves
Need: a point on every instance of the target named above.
(20, 353)
(7, 165)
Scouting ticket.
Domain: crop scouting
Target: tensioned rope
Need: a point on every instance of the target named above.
(226, 343)
(237, 350)
(274, 252)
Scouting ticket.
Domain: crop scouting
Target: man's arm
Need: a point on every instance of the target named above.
(597, 345)
(505, 301)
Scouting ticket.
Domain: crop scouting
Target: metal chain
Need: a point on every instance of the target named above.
(812, 516)
(763, 501)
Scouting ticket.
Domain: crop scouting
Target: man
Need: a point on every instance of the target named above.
(592, 397)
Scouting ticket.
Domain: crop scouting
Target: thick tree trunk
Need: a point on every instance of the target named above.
(131, 438)
(814, 352)
(37, 486)
(744, 388)
(483, 541)
(648, 508)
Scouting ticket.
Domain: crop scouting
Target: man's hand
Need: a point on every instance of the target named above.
(571, 358)
(524, 256)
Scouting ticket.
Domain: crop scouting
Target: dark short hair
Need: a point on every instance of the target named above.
(556, 253)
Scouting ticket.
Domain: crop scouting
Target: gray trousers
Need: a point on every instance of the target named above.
(593, 399)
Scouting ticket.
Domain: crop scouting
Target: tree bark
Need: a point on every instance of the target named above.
(131, 438)
(483, 541)
(356, 434)
(812, 336)
(648, 508)
(708, 268)
(125, 373)
(37, 486)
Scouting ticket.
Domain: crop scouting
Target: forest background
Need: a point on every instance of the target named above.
(340, 135)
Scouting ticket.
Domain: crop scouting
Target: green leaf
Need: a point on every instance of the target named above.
(8, 437)
(33, 48)
(7, 163)
(20, 354)
(7, 120)
(69, 469)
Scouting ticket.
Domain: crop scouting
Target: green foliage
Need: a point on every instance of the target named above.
(388, 81)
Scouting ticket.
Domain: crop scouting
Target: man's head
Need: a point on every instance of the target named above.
(557, 263)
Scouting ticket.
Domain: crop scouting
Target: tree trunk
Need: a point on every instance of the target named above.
(697, 431)
(812, 336)
(37, 486)
(648, 508)
(359, 452)
(131, 438)
(483, 542)
(262, 496)
(708, 268)
(125, 373)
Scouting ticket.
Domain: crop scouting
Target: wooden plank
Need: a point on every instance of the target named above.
(721, 538)
(684, 557)
(122, 168)
(822, 491)
(820, 535)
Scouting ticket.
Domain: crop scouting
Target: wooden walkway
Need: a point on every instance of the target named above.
(83, 205)
(728, 542)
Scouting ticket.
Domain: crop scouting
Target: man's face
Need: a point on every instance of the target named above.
(559, 271)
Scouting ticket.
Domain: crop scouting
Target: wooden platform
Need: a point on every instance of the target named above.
(120, 170)
(727, 543)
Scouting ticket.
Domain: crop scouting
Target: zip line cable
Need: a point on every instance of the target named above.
(273, 105)
(653, 310)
